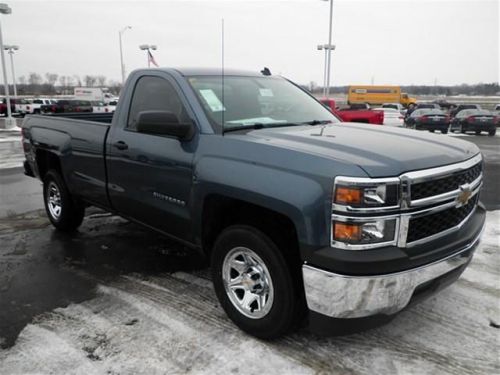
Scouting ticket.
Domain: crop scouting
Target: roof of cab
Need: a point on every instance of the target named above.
(217, 72)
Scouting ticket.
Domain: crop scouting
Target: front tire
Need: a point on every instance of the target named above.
(64, 213)
(492, 132)
(444, 131)
(478, 132)
(253, 282)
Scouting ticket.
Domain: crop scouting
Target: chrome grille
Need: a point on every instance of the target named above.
(445, 184)
(432, 224)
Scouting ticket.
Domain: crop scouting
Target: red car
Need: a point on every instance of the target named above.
(367, 116)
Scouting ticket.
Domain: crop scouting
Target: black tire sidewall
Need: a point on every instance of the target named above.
(71, 214)
(283, 313)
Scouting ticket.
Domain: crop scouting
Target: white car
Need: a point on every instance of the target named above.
(111, 106)
(397, 106)
(37, 104)
(99, 107)
(392, 117)
(22, 106)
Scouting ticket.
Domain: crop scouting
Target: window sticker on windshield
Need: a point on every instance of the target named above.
(212, 100)
(266, 92)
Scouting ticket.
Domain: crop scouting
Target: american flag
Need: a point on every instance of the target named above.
(151, 59)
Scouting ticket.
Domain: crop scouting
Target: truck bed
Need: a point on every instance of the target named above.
(105, 118)
(78, 139)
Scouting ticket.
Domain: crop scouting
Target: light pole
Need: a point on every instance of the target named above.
(11, 50)
(326, 78)
(120, 33)
(9, 122)
(330, 49)
(320, 48)
(147, 47)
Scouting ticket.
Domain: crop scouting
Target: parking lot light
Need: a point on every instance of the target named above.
(11, 50)
(9, 121)
(329, 50)
(147, 48)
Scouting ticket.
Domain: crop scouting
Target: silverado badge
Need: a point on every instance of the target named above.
(464, 195)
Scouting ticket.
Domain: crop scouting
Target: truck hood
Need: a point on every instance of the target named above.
(380, 151)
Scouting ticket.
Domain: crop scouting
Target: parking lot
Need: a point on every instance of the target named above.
(116, 298)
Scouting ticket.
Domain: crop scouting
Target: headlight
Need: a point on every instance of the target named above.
(371, 231)
(360, 193)
(365, 212)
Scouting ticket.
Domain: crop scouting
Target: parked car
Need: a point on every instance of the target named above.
(475, 120)
(367, 116)
(428, 119)
(66, 106)
(37, 104)
(427, 106)
(3, 106)
(444, 104)
(303, 219)
(98, 107)
(396, 106)
(111, 106)
(23, 106)
(392, 117)
(461, 107)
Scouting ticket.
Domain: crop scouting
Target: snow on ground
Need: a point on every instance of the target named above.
(172, 323)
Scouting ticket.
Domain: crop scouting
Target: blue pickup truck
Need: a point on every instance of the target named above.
(306, 220)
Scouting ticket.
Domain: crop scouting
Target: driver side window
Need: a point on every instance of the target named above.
(154, 94)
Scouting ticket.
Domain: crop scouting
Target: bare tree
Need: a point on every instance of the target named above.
(21, 80)
(90, 80)
(51, 78)
(101, 80)
(63, 81)
(78, 81)
(34, 79)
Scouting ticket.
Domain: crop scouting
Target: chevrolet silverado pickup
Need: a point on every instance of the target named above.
(306, 221)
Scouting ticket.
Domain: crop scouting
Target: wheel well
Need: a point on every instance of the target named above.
(221, 212)
(46, 161)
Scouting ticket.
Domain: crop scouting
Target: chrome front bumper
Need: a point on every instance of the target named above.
(341, 296)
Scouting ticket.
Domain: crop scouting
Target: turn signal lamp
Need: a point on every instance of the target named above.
(348, 195)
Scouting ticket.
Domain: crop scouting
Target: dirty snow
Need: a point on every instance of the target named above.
(172, 323)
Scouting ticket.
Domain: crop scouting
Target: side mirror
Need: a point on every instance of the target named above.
(163, 123)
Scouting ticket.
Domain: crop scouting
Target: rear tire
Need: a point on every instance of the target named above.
(444, 131)
(265, 279)
(478, 132)
(64, 213)
(431, 130)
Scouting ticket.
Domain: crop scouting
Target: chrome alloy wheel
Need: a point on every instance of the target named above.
(54, 200)
(247, 283)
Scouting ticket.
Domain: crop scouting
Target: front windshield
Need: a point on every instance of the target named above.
(251, 101)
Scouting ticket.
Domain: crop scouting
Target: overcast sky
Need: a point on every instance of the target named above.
(391, 42)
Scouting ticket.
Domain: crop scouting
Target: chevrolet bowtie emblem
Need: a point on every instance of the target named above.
(464, 195)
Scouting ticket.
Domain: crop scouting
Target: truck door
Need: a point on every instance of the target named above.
(150, 176)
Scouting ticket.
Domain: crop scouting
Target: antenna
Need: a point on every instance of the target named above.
(222, 62)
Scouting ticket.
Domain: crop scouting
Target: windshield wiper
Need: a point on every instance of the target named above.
(260, 125)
